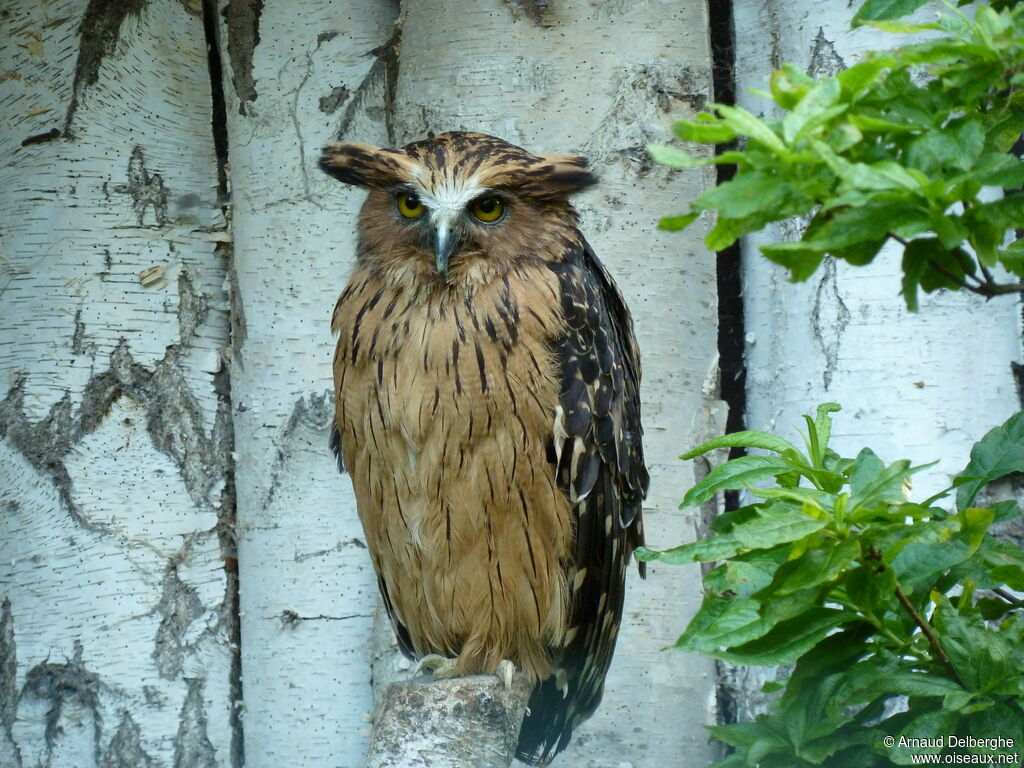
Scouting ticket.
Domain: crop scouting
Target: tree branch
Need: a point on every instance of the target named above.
(464, 722)
(929, 633)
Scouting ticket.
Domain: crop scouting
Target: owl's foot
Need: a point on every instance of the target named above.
(442, 668)
(437, 666)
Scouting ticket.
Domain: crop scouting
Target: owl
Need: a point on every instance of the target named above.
(487, 410)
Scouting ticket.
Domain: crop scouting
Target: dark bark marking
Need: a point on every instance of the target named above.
(825, 59)
(308, 424)
(125, 749)
(382, 74)
(59, 684)
(145, 190)
(174, 422)
(39, 138)
(8, 676)
(192, 747)
(98, 36)
(179, 606)
(330, 103)
(242, 18)
(192, 306)
(829, 319)
(534, 10)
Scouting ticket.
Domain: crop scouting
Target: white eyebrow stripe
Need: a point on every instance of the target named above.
(450, 198)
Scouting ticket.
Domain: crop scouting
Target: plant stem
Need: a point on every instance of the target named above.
(929, 633)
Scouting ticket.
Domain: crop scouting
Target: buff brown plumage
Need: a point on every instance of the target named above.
(487, 409)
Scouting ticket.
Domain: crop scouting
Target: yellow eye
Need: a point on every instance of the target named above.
(409, 205)
(487, 209)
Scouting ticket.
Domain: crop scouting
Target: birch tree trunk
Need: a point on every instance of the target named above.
(603, 79)
(296, 75)
(920, 386)
(117, 589)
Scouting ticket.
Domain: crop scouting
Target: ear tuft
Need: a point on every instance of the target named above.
(363, 165)
(566, 174)
(546, 177)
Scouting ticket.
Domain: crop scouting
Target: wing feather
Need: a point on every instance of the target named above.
(600, 467)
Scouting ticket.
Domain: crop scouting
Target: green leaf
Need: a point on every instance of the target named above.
(674, 157)
(932, 548)
(735, 474)
(744, 123)
(742, 577)
(863, 74)
(930, 725)
(723, 622)
(776, 525)
(706, 129)
(871, 482)
(868, 223)
(818, 565)
(812, 109)
(676, 223)
(702, 551)
(878, 10)
(798, 258)
(1007, 213)
(999, 453)
(788, 640)
(744, 439)
(957, 146)
(983, 660)
(747, 193)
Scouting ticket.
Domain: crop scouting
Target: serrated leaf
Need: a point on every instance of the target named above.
(735, 474)
(983, 659)
(997, 454)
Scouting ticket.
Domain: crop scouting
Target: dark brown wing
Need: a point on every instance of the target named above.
(600, 466)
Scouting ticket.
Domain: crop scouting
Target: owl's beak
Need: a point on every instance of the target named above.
(444, 244)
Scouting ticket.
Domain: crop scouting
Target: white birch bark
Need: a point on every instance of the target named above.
(604, 79)
(920, 386)
(116, 621)
(296, 75)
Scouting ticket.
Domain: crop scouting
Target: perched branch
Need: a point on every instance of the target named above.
(465, 722)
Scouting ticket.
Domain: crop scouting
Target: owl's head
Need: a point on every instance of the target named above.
(459, 204)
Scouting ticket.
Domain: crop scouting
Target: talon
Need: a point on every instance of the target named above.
(437, 666)
(505, 671)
